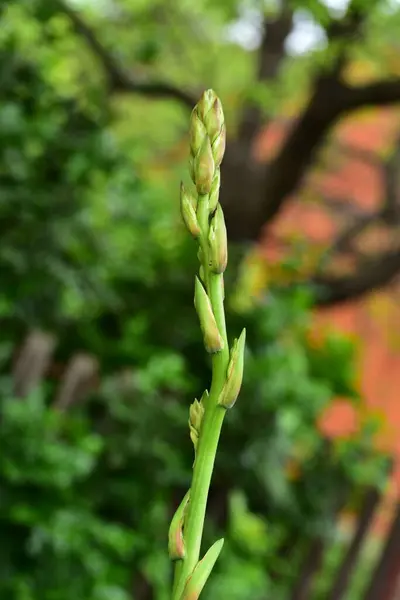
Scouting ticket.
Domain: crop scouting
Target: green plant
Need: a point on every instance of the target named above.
(204, 219)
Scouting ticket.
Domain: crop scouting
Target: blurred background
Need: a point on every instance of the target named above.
(100, 350)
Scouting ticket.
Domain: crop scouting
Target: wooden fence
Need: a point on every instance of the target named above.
(79, 377)
(384, 579)
(32, 363)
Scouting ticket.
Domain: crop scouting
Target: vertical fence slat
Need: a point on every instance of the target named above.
(77, 382)
(310, 567)
(385, 578)
(397, 590)
(342, 577)
(32, 362)
(302, 589)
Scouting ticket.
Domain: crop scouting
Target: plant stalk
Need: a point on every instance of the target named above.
(210, 431)
(205, 221)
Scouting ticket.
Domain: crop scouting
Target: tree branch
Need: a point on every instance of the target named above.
(330, 99)
(286, 170)
(118, 78)
(372, 274)
(272, 53)
(380, 93)
(345, 240)
(368, 157)
(343, 207)
(270, 57)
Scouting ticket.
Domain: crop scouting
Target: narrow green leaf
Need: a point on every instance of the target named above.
(197, 580)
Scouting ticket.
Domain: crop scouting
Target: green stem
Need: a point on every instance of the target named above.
(202, 473)
(209, 435)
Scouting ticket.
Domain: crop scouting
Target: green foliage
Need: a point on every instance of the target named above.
(91, 473)
(58, 545)
(50, 155)
(341, 352)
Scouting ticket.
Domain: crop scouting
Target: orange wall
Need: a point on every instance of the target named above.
(375, 320)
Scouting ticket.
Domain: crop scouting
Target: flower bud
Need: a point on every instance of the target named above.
(176, 544)
(218, 147)
(188, 213)
(213, 341)
(234, 374)
(197, 132)
(214, 192)
(218, 242)
(204, 398)
(196, 413)
(205, 103)
(204, 167)
(197, 580)
(214, 120)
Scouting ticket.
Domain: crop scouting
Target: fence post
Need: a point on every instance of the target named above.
(385, 579)
(77, 382)
(370, 503)
(312, 564)
(32, 362)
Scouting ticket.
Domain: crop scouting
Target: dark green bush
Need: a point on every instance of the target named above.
(87, 495)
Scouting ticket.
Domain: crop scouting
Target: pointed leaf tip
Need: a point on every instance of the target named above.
(234, 374)
(213, 341)
(197, 580)
(188, 212)
(205, 103)
(176, 543)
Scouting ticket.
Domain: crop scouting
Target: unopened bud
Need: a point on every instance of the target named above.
(196, 413)
(214, 120)
(176, 544)
(213, 341)
(197, 580)
(188, 213)
(205, 103)
(197, 132)
(204, 167)
(214, 192)
(218, 147)
(218, 242)
(234, 375)
(204, 398)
